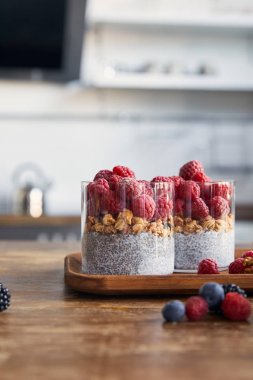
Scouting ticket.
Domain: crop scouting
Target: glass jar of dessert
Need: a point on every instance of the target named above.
(127, 225)
(204, 222)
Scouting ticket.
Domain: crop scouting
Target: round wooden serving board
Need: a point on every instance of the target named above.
(125, 285)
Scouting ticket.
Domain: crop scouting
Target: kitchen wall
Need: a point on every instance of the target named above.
(153, 124)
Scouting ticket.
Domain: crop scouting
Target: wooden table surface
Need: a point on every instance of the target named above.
(51, 332)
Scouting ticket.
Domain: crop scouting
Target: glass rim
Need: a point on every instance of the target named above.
(206, 182)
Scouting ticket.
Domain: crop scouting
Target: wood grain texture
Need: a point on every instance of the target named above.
(43, 221)
(52, 332)
(120, 285)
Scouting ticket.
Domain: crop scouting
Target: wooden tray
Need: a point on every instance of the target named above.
(125, 285)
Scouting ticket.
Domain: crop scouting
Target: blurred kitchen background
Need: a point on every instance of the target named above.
(149, 84)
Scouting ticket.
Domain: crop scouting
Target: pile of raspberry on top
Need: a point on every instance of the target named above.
(117, 202)
(201, 204)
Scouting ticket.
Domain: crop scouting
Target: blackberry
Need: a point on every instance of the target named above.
(5, 298)
(232, 288)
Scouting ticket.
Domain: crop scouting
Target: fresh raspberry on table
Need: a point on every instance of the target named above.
(146, 188)
(199, 209)
(247, 254)
(177, 180)
(98, 187)
(143, 206)
(196, 308)
(180, 207)
(164, 207)
(105, 174)
(189, 190)
(129, 188)
(201, 177)
(219, 207)
(123, 171)
(188, 170)
(236, 267)
(236, 307)
(208, 266)
(110, 204)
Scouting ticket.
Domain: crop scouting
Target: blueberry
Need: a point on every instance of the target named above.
(213, 293)
(173, 311)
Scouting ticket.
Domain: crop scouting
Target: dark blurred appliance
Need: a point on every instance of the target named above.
(41, 39)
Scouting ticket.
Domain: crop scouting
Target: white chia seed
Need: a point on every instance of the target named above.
(191, 249)
(143, 254)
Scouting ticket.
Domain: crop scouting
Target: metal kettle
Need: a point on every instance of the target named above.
(30, 190)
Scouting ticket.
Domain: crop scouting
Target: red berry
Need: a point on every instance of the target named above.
(123, 171)
(106, 174)
(188, 170)
(219, 207)
(109, 204)
(114, 181)
(98, 187)
(208, 266)
(199, 209)
(222, 189)
(201, 177)
(129, 188)
(247, 254)
(180, 207)
(189, 190)
(161, 179)
(164, 208)
(177, 180)
(196, 308)
(146, 188)
(236, 307)
(236, 267)
(143, 206)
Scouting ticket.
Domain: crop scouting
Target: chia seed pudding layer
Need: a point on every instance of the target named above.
(191, 249)
(128, 254)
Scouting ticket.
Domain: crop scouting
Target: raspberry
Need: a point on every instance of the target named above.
(162, 188)
(105, 174)
(208, 266)
(211, 190)
(98, 187)
(189, 190)
(143, 206)
(123, 171)
(236, 307)
(199, 209)
(247, 254)
(146, 188)
(109, 204)
(114, 181)
(222, 190)
(196, 308)
(188, 170)
(201, 177)
(129, 188)
(164, 208)
(161, 179)
(177, 182)
(179, 207)
(236, 267)
(92, 207)
(219, 207)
